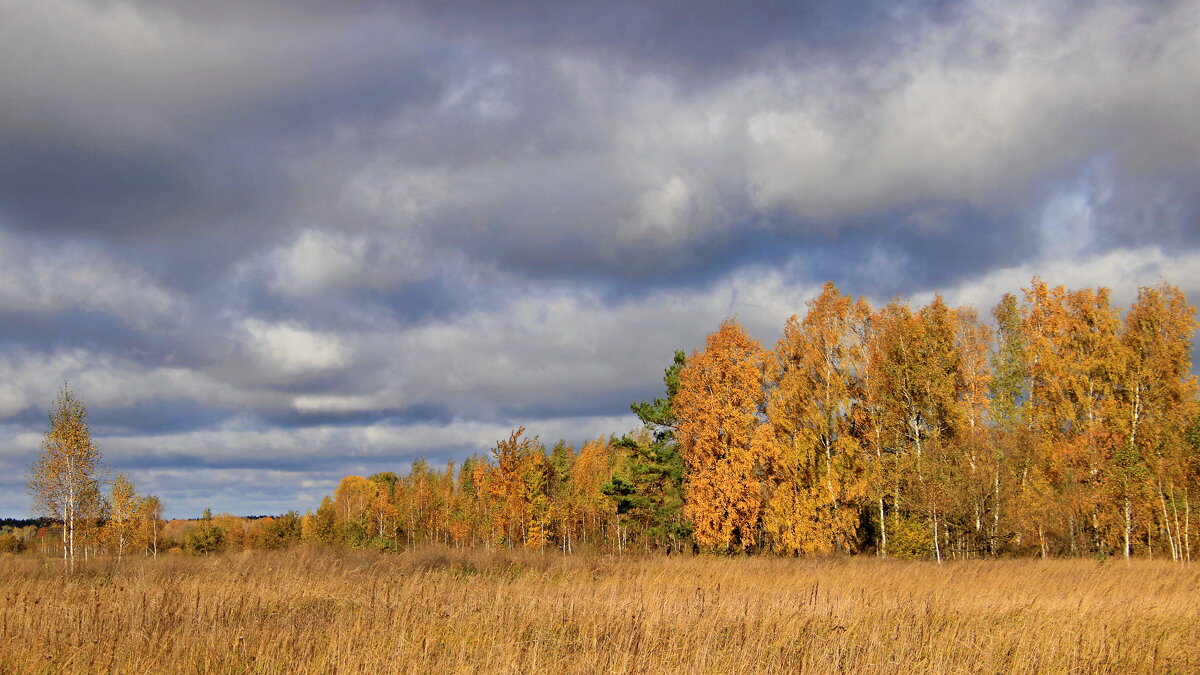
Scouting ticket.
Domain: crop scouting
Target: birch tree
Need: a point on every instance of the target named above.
(1158, 398)
(63, 480)
(819, 473)
(150, 513)
(122, 513)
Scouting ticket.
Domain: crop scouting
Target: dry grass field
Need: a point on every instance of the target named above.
(443, 611)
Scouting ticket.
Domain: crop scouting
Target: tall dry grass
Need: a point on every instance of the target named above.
(441, 611)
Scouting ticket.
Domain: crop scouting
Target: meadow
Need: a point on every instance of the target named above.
(443, 610)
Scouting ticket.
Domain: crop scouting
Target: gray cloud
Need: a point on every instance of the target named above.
(300, 240)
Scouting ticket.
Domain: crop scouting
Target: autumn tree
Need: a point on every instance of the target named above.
(445, 496)
(64, 480)
(1157, 397)
(209, 536)
(414, 497)
(518, 483)
(123, 505)
(1010, 364)
(1050, 416)
(352, 504)
(1076, 364)
(281, 532)
(818, 473)
(916, 382)
(974, 464)
(468, 513)
(321, 527)
(868, 423)
(592, 471)
(1011, 443)
(150, 515)
(563, 496)
(383, 517)
(722, 438)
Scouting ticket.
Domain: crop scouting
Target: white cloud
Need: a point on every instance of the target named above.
(319, 259)
(104, 381)
(1122, 271)
(54, 277)
(294, 350)
(662, 212)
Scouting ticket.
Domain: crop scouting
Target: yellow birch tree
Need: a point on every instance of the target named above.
(63, 480)
(818, 473)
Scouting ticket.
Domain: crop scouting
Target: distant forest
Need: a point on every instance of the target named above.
(1071, 428)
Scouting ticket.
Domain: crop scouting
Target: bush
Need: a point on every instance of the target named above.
(206, 538)
(910, 537)
(10, 544)
(381, 544)
(281, 532)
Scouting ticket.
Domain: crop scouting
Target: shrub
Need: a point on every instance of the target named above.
(206, 538)
(281, 532)
(10, 544)
(909, 537)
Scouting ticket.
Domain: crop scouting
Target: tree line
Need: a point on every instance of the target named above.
(1070, 428)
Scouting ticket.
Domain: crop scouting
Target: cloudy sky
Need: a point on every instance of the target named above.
(274, 243)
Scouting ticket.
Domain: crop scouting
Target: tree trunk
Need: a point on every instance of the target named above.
(896, 507)
(71, 541)
(1071, 532)
(1128, 525)
(1167, 524)
(937, 548)
(882, 531)
(1187, 525)
(1178, 530)
(992, 543)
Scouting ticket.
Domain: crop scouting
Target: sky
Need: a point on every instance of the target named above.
(271, 244)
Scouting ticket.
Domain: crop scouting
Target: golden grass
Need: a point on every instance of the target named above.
(440, 611)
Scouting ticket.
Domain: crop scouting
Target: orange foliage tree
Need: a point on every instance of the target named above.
(722, 438)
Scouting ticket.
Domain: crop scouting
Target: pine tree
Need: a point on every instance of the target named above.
(648, 491)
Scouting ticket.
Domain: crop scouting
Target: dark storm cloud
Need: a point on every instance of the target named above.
(685, 39)
(172, 132)
(304, 239)
(437, 413)
(1161, 208)
(193, 146)
(157, 416)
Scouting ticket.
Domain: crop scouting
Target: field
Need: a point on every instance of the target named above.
(447, 611)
